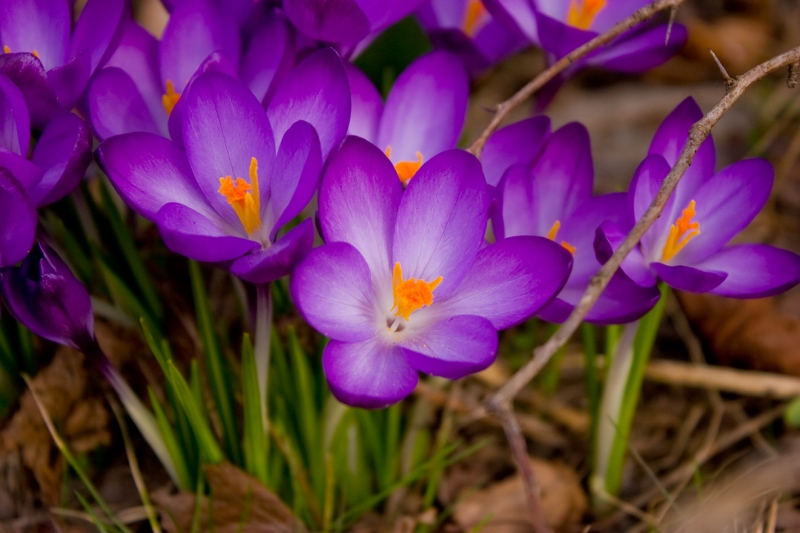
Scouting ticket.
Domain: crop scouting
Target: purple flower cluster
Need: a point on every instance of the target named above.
(223, 131)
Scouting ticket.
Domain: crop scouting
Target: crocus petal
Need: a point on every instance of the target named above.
(17, 220)
(519, 143)
(260, 70)
(725, 204)
(279, 259)
(224, 127)
(41, 25)
(381, 15)
(441, 220)
(332, 21)
(426, 108)
(608, 238)
(15, 124)
(453, 347)
(685, 278)
(97, 29)
(189, 233)
(511, 280)
(513, 211)
(69, 80)
(754, 270)
(644, 187)
(332, 288)
(296, 174)
(516, 15)
(116, 106)
(365, 220)
(367, 105)
(614, 12)
(195, 29)
(25, 172)
(643, 49)
(27, 73)
(559, 38)
(148, 171)
(63, 152)
(368, 374)
(316, 91)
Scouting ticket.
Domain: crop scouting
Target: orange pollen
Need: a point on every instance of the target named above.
(683, 231)
(475, 15)
(583, 12)
(170, 98)
(411, 294)
(244, 198)
(553, 233)
(406, 169)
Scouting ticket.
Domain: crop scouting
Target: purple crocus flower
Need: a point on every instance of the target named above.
(223, 194)
(552, 197)
(56, 165)
(685, 247)
(466, 28)
(404, 284)
(423, 115)
(50, 60)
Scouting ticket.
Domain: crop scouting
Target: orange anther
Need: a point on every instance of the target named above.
(475, 15)
(680, 233)
(405, 169)
(411, 294)
(170, 98)
(583, 12)
(244, 198)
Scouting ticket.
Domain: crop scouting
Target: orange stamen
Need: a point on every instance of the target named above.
(476, 13)
(170, 98)
(553, 233)
(683, 231)
(244, 198)
(583, 12)
(6, 49)
(36, 54)
(405, 169)
(411, 294)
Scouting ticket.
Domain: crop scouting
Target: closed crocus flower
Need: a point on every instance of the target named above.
(552, 197)
(686, 246)
(423, 115)
(404, 285)
(56, 165)
(50, 60)
(466, 28)
(236, 179)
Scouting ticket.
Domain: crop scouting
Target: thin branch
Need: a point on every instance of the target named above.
(504, 108)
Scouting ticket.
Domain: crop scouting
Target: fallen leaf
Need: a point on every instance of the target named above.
(502, 507)
(239, 504)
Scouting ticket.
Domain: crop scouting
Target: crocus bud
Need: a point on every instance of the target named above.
(44, 295)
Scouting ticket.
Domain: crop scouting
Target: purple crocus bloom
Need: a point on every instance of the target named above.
(466, 28)
(404, 284)
(685, 247)
(223, 194)
(552, 197)
(56, 165)
(423, 115)
(345, 23)
(50, 60)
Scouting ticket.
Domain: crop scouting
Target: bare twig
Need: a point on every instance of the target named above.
(504, 108)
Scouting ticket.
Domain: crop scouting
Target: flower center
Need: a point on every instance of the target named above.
(405, 169)
(244, 198)
(683, 231)
(475, 17)
(7, 50)
(583, 12)
(170, 98)
(553, 233)
(411, 294)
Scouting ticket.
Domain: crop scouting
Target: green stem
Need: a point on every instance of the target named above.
(263, 332)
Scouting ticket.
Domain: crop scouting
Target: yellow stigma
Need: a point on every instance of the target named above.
(553, 233)
(411, 294)
(683, 231)
(475, 15)
(244, 198)
(170, 98)
(405, 169)
(583, 12)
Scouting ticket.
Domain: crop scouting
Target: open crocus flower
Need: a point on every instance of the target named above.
(224, 195)
(685, 247)
(47, 58)
(56, 165)
(466, 28)
(423, 115)
(552, 197)
(403, 284)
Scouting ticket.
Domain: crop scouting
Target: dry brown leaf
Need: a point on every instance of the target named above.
(82, 422)
(563, 500)
(751, 334)
(240, 503)
(739, 42)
